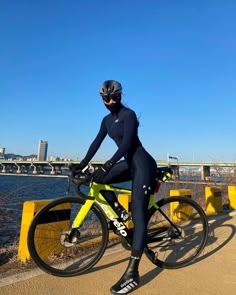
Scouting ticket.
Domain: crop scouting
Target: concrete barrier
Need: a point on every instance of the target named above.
(213, 197)
(178, 211)
(232, 197)
(30, 208)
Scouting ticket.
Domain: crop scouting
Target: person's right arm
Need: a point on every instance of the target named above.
(97, 142)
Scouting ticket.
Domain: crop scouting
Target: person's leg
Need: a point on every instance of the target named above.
(130, 279)
(119, 173)
(143, 181)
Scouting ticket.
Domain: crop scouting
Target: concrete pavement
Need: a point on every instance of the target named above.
(214, 273)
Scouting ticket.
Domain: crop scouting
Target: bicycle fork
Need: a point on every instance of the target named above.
(80, 216)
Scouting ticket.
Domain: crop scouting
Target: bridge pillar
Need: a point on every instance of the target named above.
(35, 170)
(3, 168)
(53, 172)
(175, 171)
(205, 172)
(18, 169)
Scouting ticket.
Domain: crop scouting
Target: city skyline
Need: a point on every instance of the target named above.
(41, 155)
(35, 157)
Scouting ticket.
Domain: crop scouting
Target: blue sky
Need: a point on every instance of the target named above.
(175, 59)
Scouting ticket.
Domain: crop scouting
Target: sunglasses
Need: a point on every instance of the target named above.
(115, 97)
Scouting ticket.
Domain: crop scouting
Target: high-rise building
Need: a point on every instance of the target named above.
(2, 153)
(42, 150)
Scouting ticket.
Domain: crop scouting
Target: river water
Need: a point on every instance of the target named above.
(15, 190)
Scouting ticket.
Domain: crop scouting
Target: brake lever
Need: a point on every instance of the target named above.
(86, 174)
(89, 169)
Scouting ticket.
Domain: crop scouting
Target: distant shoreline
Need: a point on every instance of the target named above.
(34, 175)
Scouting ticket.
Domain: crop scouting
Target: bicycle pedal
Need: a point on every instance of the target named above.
(116, 232)
(113, 228)
(110, 225)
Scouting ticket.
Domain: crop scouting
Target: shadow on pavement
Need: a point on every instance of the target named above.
(221, 232)
(144, 279)
(149, 276)
(104, 266)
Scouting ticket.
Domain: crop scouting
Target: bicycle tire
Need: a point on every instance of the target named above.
(169, 247)
(47, 238)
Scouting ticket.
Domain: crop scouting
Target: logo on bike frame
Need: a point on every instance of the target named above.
(120, 226)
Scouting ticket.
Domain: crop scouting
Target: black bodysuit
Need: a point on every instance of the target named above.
(138, 166)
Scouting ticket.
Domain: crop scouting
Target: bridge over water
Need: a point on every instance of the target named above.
(204, 169)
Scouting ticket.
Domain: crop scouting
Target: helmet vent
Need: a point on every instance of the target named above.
(110, 87)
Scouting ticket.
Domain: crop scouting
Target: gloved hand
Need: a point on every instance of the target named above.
(76, 168)
(102, 171)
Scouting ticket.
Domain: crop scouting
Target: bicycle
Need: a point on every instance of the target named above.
(69, 235)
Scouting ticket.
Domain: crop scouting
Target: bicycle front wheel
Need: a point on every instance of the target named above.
(177, 232)
(50, 243)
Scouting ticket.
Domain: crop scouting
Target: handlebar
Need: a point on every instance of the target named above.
(85, 177)
(79, 178)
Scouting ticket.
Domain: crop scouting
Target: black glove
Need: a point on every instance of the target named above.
(102, 171)
(77, 168)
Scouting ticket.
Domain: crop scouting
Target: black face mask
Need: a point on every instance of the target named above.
(114, 108)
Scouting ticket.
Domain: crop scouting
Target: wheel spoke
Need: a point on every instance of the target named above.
(179, 235)
(58, 251)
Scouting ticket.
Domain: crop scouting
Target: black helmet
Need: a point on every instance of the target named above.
(110, 87)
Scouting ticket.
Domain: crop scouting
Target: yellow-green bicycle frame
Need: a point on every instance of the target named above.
(97, 197)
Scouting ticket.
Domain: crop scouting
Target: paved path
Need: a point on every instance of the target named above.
(213, 274)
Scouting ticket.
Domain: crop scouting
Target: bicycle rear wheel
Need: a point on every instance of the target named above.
(177, 232)
(48, 238)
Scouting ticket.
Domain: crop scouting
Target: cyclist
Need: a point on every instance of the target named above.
(121, 124)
